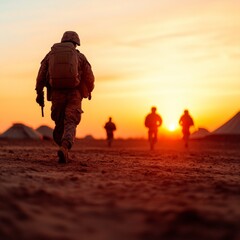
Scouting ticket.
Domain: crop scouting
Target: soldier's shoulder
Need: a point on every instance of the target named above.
(83, 58)
(45, 59)
(81, 55)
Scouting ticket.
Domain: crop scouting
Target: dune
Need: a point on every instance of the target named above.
(123, 192)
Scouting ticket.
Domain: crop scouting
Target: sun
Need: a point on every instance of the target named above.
(172, 127)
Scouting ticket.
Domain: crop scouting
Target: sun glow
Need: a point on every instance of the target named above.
(172, 127)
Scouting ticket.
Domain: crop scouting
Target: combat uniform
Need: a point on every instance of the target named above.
(66, 103)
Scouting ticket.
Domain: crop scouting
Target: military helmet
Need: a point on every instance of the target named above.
(71, 36)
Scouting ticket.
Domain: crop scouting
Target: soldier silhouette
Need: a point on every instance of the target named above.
(69, 78)
(110, 127)
(186, 122)
(153, 121)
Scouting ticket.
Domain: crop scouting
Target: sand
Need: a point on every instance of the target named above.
(126, 192)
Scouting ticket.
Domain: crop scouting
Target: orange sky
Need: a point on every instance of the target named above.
(171, 54)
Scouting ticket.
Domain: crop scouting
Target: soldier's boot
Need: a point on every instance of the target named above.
(63, 152)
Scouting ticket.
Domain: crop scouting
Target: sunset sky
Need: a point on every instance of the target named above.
(170, 54)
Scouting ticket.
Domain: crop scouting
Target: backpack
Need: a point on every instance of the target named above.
(63, 66)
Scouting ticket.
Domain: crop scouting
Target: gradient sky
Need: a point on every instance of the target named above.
(168, 53)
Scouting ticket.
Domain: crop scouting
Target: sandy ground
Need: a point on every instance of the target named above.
(126, 192)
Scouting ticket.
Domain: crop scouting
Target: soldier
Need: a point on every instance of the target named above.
(186, 122)
(153, 121)
(68, 76)
(110, 128)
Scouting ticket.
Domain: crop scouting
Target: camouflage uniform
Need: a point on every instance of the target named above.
(66, 113)
(66, 103)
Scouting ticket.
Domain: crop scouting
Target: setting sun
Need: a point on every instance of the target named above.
(172, 127)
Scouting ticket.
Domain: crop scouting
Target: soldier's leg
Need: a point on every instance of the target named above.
(186, 140)
(58, 132)
(58, 116)
(110, 138)
(150, 138)
(155, 136)
(186, 135)
(72, 118)
(149, 135)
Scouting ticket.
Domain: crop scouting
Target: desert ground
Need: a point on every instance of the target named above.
(121, 193)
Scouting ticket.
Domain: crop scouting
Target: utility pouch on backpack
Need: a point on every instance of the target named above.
(63, 66)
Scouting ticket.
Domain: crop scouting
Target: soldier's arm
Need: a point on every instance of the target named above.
(192, 122)
(86, 72)
(159, 120)
(180, 121)
(89, 76)
(42, 75)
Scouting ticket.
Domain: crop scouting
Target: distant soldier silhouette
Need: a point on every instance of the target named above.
(153, 121)
(110, 127)
(68, 76)
(186, 122)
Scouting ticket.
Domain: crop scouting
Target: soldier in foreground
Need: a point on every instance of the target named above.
(68, 76)
(110, 127)
(153, 121)
(186, 122)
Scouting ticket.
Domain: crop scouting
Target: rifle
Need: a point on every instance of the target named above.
(42, 103)
(42, 111)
